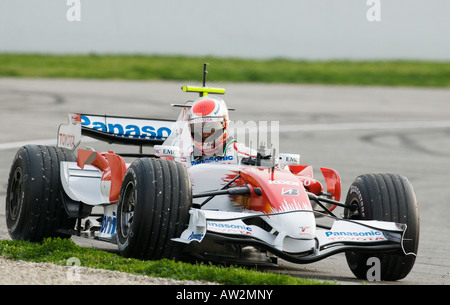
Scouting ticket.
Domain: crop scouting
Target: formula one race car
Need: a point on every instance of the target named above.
(223, 207)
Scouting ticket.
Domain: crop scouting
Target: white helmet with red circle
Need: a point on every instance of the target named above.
(208, 123)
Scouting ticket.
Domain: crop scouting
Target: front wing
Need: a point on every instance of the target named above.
(344, 235)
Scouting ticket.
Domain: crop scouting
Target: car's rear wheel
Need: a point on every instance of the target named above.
(34, 203)
(384, 197)
(154, 203)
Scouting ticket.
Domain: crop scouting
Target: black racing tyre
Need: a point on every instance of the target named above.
(384, 197)
(154, 203)
(34, 204)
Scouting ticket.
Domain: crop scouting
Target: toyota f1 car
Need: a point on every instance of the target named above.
(266, 206)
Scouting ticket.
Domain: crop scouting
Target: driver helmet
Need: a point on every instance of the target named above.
(208, 124)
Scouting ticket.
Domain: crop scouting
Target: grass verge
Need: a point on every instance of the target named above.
(140, 67)
(58, 251)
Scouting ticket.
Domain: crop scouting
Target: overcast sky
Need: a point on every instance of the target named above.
(302, 29)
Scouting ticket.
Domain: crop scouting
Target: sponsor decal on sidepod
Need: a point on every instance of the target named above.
(109, 224)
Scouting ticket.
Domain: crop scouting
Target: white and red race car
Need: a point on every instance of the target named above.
(161, 206)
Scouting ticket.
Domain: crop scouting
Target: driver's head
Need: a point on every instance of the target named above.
(208, 123)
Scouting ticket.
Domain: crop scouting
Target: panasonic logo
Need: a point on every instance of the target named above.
(229, 226)
(370, 233)
(212, 159)
(130, 128)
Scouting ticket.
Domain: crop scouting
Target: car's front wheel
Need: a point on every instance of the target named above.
(154, 203)
(384, 197)
(34, 198)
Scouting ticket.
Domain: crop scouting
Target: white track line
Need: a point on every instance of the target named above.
(366, 126)
(22, 143)
(291, 128)
(52, 141)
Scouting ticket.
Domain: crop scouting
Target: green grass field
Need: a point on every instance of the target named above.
(58, 251)
(137, 67)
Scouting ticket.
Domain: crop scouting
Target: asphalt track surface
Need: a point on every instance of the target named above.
(355, 130)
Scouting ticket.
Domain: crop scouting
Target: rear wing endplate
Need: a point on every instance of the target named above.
(113, 129)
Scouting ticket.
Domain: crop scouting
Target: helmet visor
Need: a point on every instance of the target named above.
(206, 132)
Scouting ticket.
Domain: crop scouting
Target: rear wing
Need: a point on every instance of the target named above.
(113, 129)
(125, 130)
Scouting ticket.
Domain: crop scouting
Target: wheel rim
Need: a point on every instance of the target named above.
(127, 210)
(354, 212)
(15, 194)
